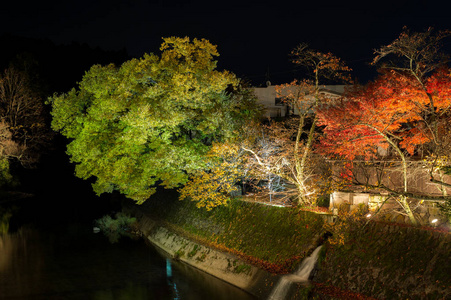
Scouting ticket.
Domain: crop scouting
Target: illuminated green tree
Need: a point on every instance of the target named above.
(151, 120)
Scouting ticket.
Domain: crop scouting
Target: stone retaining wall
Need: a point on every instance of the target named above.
(222, 265)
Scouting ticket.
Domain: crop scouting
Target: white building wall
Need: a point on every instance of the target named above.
(267, 97)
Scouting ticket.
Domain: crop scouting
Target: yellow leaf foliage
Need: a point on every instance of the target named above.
(212, 187)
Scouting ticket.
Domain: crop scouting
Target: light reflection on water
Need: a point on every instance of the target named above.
(74, 263)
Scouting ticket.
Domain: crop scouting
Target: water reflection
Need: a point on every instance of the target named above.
(171, 282)
(73, 263)
(5, 215)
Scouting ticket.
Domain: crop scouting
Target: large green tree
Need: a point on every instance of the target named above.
(152, 120)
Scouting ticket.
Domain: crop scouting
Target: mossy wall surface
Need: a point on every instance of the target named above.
(389, 261)
(272, 238)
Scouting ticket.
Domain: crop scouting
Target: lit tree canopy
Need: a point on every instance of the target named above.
(22, 115)
(212, 187)
(305, 96)
(151, 120)
(387, 111)
(393, 111)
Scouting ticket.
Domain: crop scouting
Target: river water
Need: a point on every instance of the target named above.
(66, 260)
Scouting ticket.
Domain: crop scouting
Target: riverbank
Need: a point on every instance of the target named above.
(246, 244)
(220, 264)
(378, 261)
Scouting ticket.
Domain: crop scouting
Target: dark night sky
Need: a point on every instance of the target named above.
(252, 36)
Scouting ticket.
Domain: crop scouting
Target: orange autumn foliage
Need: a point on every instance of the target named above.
(394, 107)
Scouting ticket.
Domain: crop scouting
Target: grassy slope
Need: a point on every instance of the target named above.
(391, 261)
(273, 238)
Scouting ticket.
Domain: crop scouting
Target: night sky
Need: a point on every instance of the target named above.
(254, 38)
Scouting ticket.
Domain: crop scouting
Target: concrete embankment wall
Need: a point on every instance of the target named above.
(220, 264)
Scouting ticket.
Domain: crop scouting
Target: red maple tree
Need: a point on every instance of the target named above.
(394, 111)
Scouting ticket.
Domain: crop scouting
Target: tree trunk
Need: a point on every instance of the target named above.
(402, 199)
